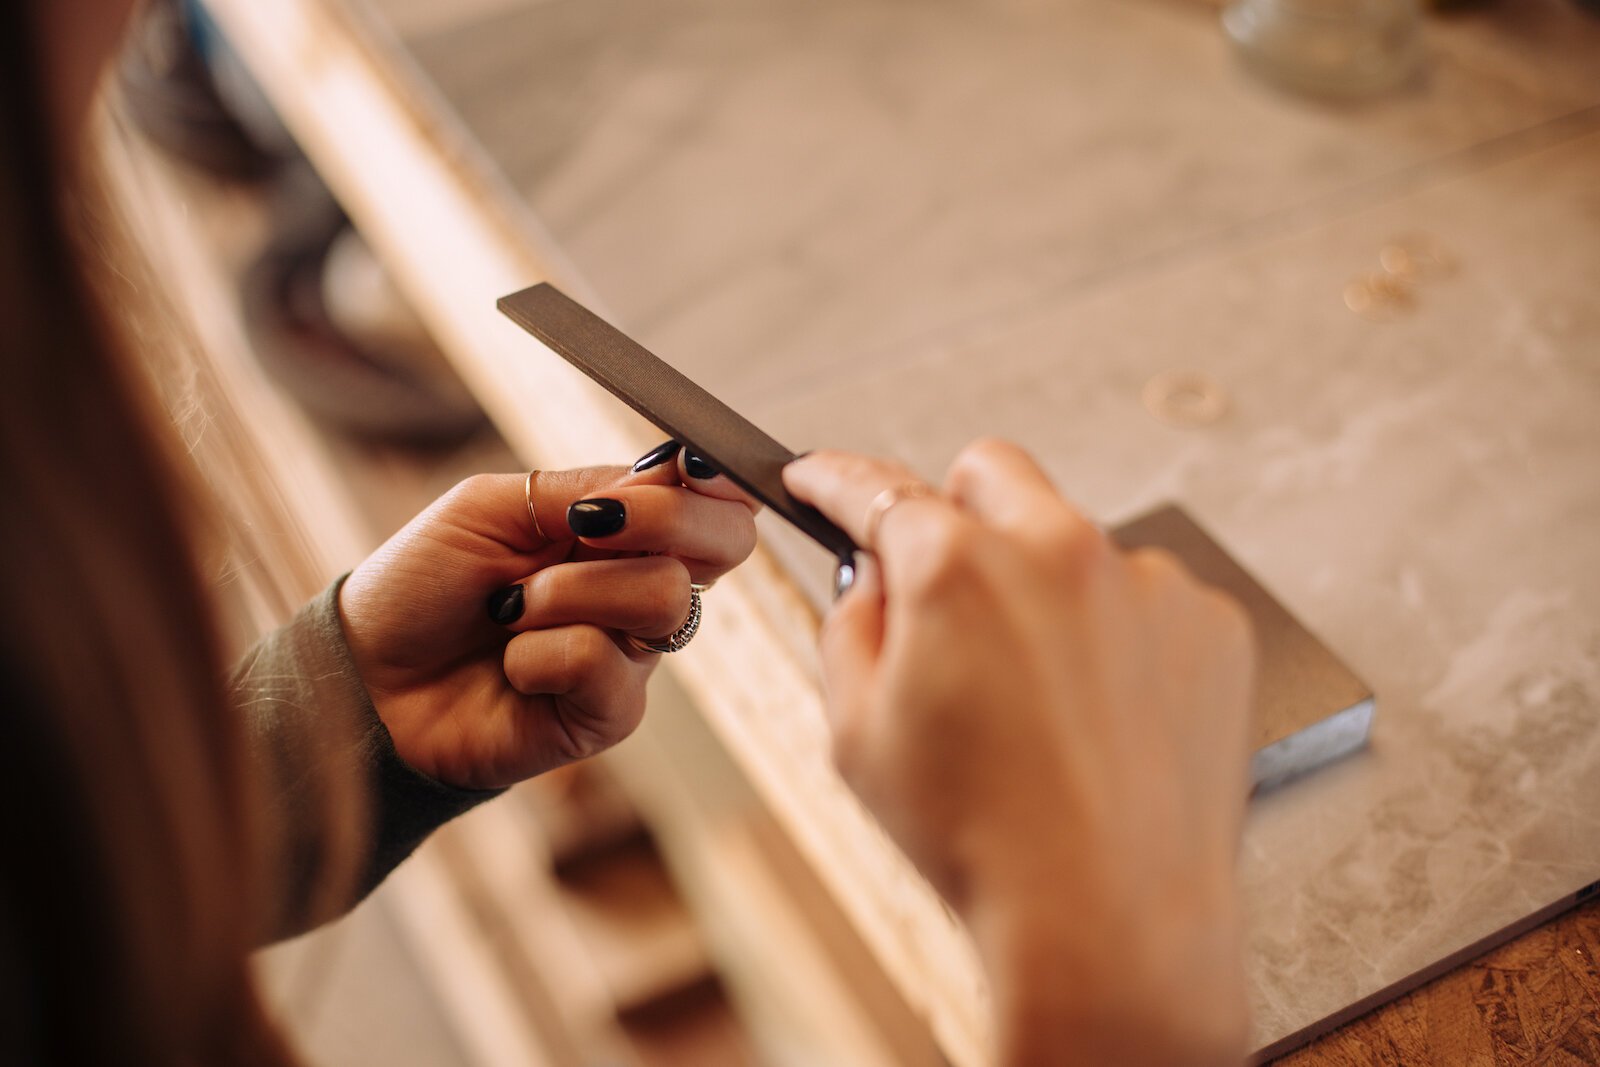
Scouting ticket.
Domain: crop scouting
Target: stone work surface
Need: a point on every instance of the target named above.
(895, 227)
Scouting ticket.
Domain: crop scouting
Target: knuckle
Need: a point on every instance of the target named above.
(970, 464)
(1077, 546)
(744, 536)
(978, 459)
(512, 662)
(587, 651)
(579, 740)
(477, 485)
(946, 550)
(473, 487)
(544, 588)
(1158, 565)
(985, 450)
(616, 718)
(664, 596)
(1229, 615)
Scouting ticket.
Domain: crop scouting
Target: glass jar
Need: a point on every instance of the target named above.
(1345, 48)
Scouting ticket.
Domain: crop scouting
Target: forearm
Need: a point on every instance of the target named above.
(324, 756)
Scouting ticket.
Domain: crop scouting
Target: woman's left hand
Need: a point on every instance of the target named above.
(493, 654)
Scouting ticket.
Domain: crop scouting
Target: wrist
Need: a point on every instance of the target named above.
(1088, 974)
(351, 608)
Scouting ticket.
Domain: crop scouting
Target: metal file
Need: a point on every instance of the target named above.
(662, 394)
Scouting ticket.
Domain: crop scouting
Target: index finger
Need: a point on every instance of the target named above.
(553, 492)
(844, 486)
(706, 480)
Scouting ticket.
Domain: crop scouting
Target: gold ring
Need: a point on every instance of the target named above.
(884, 501)
(527, 493)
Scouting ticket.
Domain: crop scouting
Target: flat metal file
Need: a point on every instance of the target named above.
(653, 388)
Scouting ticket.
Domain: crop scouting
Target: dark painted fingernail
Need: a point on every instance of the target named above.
(843, 578)
(697, 467)
(657, 456)
(505, 605)
(600, 517)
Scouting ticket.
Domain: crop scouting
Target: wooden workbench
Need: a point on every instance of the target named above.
(896, 227)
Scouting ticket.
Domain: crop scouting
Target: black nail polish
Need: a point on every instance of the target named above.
(599, 517)
(843, 578)
(505, 605)
(657, 456)
(697, 467)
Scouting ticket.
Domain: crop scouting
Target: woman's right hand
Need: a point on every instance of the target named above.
(1056, 733)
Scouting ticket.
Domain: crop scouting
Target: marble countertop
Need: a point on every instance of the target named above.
(895, 227)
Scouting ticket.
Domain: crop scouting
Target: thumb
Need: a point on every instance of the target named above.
(548, 495)
(849, 645)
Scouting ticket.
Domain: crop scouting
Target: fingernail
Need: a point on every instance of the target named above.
(657, 456)
(843, 578)
(697, 467)
(505, 605)
(599, 517)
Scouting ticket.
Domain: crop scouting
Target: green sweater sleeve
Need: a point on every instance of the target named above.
(308, 715)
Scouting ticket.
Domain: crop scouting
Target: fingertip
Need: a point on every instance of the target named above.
(860, 599)
(658, 456)
(703, 478)
(504, 606)
(597, 517)
(844, 577)
(806, 475)
(695, 467)
(554, 492)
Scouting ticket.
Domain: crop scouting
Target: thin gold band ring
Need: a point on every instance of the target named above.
(527, 493)
(886, 500)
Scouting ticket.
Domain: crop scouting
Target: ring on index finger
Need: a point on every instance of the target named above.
(883, 502)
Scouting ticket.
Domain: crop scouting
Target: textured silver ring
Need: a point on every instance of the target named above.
(677, 638)
(884, 501)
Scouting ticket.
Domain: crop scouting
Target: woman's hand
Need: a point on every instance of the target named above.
(1056, 733)
(492, 653)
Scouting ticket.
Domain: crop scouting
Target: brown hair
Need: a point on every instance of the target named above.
(135, 851)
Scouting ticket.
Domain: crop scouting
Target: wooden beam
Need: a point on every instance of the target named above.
(456, 238)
